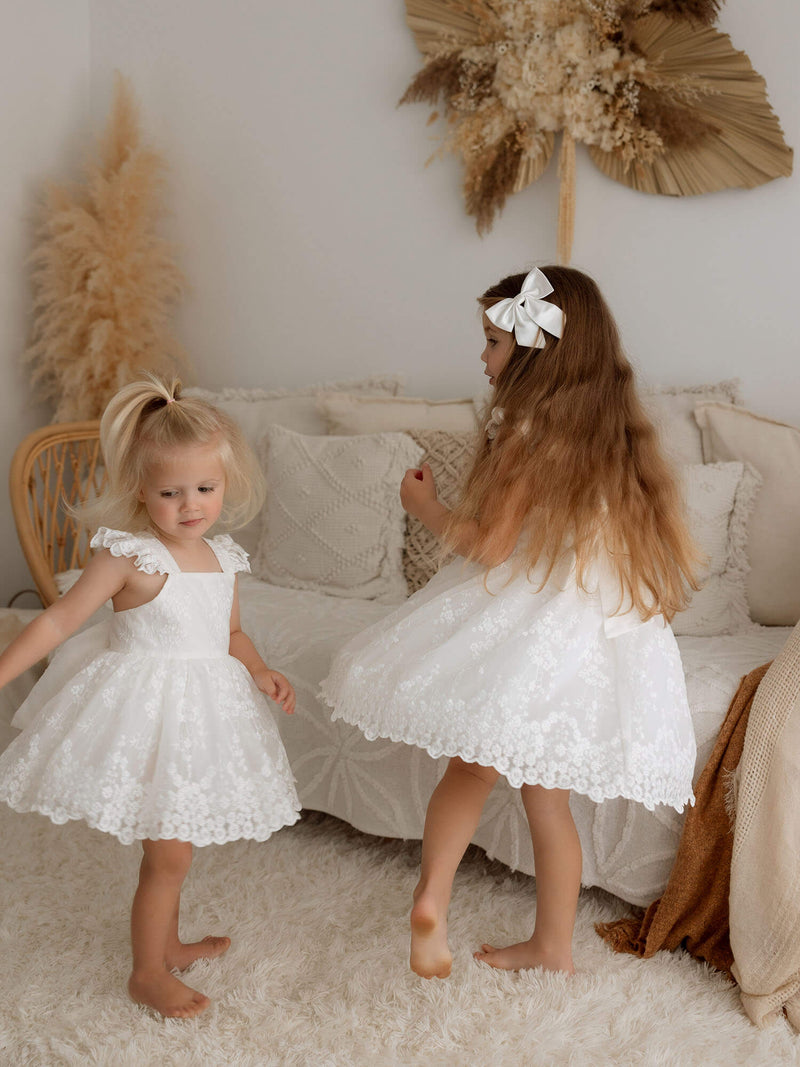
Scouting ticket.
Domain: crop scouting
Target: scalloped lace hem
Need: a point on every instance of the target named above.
(611, 787)
(178, 829)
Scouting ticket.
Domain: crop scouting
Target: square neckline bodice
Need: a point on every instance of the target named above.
(178, 569)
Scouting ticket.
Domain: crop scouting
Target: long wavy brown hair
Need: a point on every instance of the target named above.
(575, 461)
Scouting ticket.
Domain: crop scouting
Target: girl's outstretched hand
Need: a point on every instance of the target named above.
(417, 490)
(277, 687)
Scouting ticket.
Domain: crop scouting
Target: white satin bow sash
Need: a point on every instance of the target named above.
(604, 581)
(527, 314)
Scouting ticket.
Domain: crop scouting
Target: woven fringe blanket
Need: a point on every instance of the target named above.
(765, 868)
(693, 910)
(732, 898)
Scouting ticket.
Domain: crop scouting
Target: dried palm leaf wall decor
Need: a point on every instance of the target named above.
(104, 282)
(662, 99)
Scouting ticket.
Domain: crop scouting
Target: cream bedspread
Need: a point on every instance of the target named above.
(765, 868)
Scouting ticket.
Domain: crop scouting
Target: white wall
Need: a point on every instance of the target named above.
(44, 123)
(318, 246)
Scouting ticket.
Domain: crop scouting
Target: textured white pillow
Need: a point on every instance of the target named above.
(333, 521)
(672, 411)
(346, 414)
(719, 500)
(256, 409)
(773, 546)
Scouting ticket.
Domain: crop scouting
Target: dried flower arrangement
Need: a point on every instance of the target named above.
(103, 282)
(661, 98)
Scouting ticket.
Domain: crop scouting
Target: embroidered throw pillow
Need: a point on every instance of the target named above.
(773, 545)
(346, 414)
(449, 456)
(333, 521)
(719, 501)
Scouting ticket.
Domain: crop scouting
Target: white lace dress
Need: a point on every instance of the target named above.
(146, 727)
(549, 687)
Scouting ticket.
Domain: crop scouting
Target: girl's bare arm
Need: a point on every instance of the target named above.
(271, 682)
(105, 575)
(418, 497)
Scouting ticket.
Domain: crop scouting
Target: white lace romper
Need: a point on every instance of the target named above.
(549, 686)
(146, 727)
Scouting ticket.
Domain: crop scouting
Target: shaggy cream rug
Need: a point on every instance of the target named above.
(317, 974)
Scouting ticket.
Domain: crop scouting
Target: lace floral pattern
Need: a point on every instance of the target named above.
(145, 727)
(527, 682)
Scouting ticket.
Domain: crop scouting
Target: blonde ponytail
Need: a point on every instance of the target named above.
(150, 416)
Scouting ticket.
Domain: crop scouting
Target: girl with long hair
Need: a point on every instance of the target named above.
(545, 654)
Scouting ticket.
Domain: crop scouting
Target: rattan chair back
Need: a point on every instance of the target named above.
(54, 468)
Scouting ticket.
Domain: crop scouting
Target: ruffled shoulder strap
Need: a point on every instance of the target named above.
(232, 557)
(146, 551)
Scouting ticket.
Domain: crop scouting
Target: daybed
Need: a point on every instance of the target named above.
(331, 553)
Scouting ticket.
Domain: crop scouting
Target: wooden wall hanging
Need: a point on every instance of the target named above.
(662, 99)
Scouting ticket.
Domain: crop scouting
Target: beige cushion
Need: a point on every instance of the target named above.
(296, 409)
(719, 500)
(672, 411)
(333, 521)
(449, 456)
(255, 409)
(773, 448)
(345, 414)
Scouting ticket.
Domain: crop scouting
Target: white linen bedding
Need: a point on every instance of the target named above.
(382, 787)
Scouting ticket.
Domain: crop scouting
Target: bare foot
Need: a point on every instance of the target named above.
(430, 954)
(167, 994)
(525, 954)
(182, 956)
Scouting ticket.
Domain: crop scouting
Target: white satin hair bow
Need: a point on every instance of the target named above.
(527, 314)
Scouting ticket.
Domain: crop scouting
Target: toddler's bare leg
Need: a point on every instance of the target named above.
(453, 814)
(155, 903)
(557, 856)
(180, 955)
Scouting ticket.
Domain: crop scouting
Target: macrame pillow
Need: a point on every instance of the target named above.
(449, 456)
(719, 501)
(333, 521)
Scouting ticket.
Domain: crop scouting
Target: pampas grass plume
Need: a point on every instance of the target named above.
(104, 283)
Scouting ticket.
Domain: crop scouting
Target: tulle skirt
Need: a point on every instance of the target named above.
(149, 747)
(533, 682)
